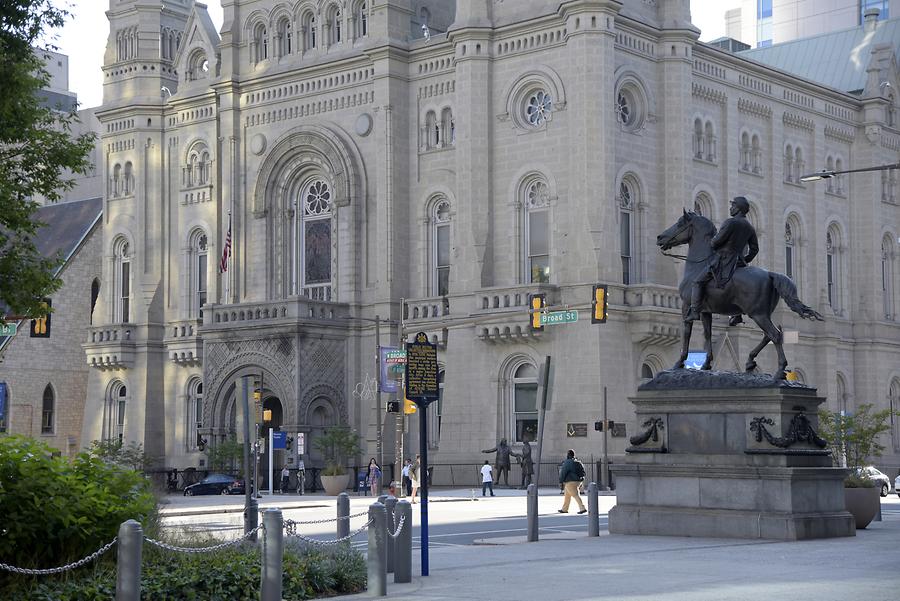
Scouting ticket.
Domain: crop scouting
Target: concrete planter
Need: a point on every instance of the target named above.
(862, 503)
(335, 485)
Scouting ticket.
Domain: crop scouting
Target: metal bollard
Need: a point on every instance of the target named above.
(390, 506)
(376, 561)
(381, 499)
(128, 571)
(593, 510)
(272, 555)
(532, 505)
(343, 511)
(878, 515)
(251, 517)
(403, 554)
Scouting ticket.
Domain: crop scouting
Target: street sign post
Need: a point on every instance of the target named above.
(422, 388)
(557, 317)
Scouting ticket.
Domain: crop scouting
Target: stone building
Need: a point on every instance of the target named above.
(42, 366)
(362, 168)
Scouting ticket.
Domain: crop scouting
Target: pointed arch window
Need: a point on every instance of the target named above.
(440, 255)
(309, 31)
(756, 154)
(833, 271)
(261, 42)
(114, 420)
(627, 200)
(829, 183)
(703, 205)
(447, 127)
(745, 151)
(48, 412)
(710, 142)
(788, 163)
(887, 277)
(334, 23)
(789, 250)
(525, 411)
(195, 413)
(122, 278)
(363, 18)
(313, 240)
(285, 37)
(537, 232)
(199, 273)
(698, 138)
(95, 293)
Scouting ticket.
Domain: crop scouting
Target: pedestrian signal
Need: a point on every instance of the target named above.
(40, 326)
(393, 406)
(599, 304)
(536, 304)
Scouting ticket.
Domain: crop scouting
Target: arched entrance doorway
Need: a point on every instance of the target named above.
(272, 418)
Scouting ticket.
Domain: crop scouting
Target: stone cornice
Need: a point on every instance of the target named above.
(709, 94)
(796, 121)
(754, 108)
(840, 134)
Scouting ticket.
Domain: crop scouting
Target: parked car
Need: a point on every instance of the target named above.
(216, 484)
(897, 485)
(882, 482)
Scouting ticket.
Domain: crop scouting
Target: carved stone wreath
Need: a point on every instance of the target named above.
(800, 430)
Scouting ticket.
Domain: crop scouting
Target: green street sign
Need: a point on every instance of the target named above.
(557, 317)
(8, 329)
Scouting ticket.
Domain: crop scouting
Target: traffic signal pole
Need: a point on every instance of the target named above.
(604, 458)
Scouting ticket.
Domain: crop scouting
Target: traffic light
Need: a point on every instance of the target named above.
(409, 407)
(600, 427)
(393, 406)
(599, 304)
(40, 327)
(536, 304)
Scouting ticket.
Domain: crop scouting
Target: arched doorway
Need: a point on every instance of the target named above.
(321, 415)
(272, 418)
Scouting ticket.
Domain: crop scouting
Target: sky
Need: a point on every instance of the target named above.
(83, 38)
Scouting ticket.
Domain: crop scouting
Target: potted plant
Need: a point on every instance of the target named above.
(853, 438)
(337, 444)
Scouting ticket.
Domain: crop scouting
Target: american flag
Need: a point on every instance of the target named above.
(226, 251)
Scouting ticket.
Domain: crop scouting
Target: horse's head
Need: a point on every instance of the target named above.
(679, 233)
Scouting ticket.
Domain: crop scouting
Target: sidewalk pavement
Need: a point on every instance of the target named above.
(569, 566)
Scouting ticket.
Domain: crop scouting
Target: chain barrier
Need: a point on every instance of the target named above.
(326, 520)
(290, 527)
(230, 543)
(59, 570)
(396, 533)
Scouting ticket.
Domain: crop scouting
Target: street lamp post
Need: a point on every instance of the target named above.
(828, 174)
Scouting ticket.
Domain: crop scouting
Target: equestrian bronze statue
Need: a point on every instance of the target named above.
(718, 279)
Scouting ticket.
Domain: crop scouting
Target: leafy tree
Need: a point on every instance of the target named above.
(338, 444)
(854, 436)
(37, 148)
(225, 455)
(131, 455)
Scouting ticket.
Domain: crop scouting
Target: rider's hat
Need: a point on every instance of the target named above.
(742, 204)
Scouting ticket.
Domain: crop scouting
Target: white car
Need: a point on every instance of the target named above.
(897, 485)
(882, 482)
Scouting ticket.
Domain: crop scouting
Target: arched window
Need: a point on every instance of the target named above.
(833, 271)
(95, 293)
(128, 179)
(829, 183)
(703, 205)
(894, 402)
(48, 420)
(122, 278)
(309, 31)
(841, 394)
(114, 419)
(745, 151)
(195, 413)
(116, 183)
(440, 254)
(432, 130)
(789, 249)
(525, 412)
(887, 277)
(313, 235)
(204, 168)
(537, 232)
(788, 163)
(199, 261)
(334, 24)
(362, 17)
(698, 138)
(710, 142)
(449, 135)
(198, 66)
(285, 41)
(261, 42)
(627, 200)
(755, 154)
(646, 372)
(798, 164)
(839, 179)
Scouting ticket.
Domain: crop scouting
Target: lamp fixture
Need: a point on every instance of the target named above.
(827, 174)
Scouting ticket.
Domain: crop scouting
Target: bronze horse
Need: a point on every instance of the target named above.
(752, 291)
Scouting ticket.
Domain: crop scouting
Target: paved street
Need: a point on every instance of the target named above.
(478, 552)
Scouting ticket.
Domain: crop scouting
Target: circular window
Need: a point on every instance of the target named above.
(318, 198)
(538, 108)
(629, 108)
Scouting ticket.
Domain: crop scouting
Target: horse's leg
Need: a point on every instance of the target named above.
(686, 327)
(706, 318)
(751, 360)
(774, 334)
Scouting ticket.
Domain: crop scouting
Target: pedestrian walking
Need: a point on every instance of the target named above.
(285, 479)
(301, 476)
(374, 476)
(570, 476)
(414, 478)
(487, 478)
(406, 487)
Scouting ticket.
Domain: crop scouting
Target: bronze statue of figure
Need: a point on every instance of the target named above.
(526, 462)
(501, 464)
(749, 290)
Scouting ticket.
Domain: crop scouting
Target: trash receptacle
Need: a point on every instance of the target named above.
(362, 486)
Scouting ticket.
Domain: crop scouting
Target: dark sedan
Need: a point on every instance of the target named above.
(216, 484)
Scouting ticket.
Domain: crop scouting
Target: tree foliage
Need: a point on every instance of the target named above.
(337, 444)
(37, 150)
(227, 456)
(854, 436)
(131, 455)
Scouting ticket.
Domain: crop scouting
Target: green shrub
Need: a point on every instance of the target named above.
(56, 510)
(854, 438)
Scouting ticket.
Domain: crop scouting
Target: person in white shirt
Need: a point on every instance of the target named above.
(285, 479)
(406, 487)
(487, 479)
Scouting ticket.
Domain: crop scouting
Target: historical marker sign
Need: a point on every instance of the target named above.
(421, 370)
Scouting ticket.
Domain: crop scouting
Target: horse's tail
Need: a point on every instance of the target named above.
(787, 290)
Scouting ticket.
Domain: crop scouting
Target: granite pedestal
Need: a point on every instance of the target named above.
(728, 455)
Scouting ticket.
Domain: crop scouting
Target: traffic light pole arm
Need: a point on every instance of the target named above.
(826, 174)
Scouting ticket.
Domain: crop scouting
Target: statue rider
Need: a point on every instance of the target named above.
(502, 461)
(728, 245)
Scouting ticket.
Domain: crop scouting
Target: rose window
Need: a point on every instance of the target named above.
(317, 200)
(539, 107)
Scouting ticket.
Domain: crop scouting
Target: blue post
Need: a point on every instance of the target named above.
(423, 484)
